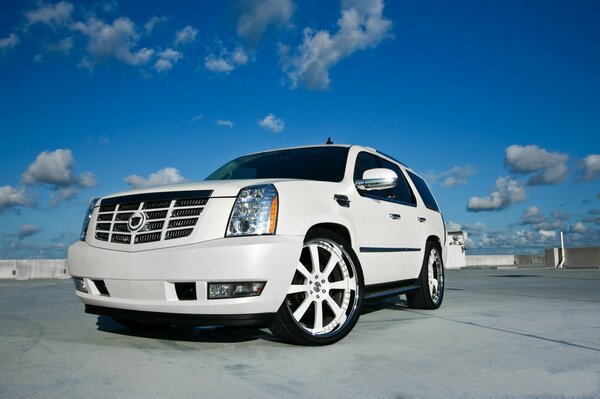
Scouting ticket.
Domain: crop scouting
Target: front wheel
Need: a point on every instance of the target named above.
(431, 293)
(325, 295)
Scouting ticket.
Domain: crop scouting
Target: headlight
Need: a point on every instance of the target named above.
(86, 220)
(254, 212)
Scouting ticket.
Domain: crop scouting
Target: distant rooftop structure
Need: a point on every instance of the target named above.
(456, 249)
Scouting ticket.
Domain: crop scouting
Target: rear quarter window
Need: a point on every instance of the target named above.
(424, 191)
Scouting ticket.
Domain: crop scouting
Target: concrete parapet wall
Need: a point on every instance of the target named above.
(553, 256)
(27, 269)
(8, 268)
(490, 260)
(530, 259)
(455, 257)
(578, 258)
(575, 258)
(504, 260)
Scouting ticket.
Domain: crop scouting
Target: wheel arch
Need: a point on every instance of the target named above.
(434, 239)
(334, 227)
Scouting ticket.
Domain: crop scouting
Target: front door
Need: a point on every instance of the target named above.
(378, 227)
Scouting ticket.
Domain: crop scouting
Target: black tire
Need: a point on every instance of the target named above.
(286, 327)
(422, 298)
(140, 325)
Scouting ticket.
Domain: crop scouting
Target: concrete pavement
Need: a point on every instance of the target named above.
(500, 333)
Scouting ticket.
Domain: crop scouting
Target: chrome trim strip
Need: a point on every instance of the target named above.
(146, 197)
(388, 249)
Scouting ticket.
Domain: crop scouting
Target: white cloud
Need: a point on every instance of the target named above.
(168, 175)
(561, 216)
(197, 118)
(225, 60)
(218, 65)
(63, 194)
(55, 168)
(515, 242)
(547, 234)
(456, 176)
(272, 123)
(592, 216)
(361, 26)
(27, 230)
(107, 6)
(591, 167)
(507, 192)
(532, 215)
(11, 197)
(224, 122)
(453, 226)
(85, 180)
(53, 15)
(152, 22)
(547, 167)
(50, 168)
(9, 42)
(579, 228)
(166, 59)
(63, 46)
(475, 228)
(112, 41)
(260, 14)
(186, 35)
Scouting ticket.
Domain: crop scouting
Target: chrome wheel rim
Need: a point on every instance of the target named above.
(324, 292)
(435, 274)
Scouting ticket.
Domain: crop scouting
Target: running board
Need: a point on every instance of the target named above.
(377, 291)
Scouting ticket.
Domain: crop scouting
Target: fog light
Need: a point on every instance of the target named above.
(234, 290)
(80, 284)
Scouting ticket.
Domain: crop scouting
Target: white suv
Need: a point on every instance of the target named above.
(295, 239)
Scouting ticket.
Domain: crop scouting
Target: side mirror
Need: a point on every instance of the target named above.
(377, 179)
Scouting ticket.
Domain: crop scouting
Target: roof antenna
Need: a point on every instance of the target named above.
(329, 141)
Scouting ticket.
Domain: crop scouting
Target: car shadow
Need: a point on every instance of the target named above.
(223, 334)
(209, 334)
(390, 303)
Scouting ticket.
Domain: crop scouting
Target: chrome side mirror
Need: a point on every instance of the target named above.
(377, 179)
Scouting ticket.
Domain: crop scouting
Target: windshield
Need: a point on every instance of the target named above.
(315, 163)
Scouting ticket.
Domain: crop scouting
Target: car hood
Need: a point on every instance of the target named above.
(220, 188)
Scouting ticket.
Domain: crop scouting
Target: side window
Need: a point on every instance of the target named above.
(366, 161)
(424, 192)
(402, 191)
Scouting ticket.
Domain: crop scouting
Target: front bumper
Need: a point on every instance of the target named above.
(145, 281)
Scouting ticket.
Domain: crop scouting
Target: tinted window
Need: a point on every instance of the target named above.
(366, 161)
(401, 192)
(317, 163)
(424, 192)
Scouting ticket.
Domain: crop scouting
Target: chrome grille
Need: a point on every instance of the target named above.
(168, 216)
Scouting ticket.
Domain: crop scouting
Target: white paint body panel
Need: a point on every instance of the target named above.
(141, 277)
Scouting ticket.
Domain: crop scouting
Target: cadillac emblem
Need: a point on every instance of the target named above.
(136, 221)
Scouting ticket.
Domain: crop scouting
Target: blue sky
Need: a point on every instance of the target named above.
(497, 103)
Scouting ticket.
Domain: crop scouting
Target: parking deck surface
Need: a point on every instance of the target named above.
(500, 333)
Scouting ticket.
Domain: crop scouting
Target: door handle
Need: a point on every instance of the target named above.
(421, 219)
(395, 216)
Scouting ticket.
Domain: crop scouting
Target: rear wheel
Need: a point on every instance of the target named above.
(325, 295)
(431, 293)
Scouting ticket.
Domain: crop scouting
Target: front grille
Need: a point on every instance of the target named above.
(168, 216)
